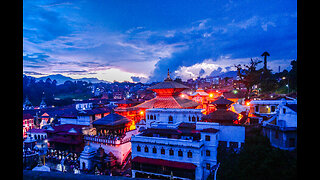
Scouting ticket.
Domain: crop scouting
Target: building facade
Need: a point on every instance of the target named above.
(178, 147)
(281, 129)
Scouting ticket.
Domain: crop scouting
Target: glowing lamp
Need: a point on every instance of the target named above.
(141, 112)
(182, 95)
(211, 95)
(247, 103)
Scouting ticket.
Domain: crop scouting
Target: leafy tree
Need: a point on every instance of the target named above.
(249, 75)
(256, 160)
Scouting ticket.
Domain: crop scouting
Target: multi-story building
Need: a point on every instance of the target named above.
(267, 107)
(175, 146)
(113, 133)
(27, 123)
(281, 129)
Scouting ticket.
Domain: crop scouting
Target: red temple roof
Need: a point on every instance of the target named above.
(161, 162)
(168, 102)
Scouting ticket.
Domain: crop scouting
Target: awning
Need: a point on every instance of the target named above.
(161, 162)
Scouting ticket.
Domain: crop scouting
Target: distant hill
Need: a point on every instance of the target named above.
(61, 79)
(220, 74)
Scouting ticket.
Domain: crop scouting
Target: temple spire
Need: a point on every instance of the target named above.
(168, 76)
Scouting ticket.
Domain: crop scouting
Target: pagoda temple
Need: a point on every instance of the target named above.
(167, 96)
(222, 114)
(113, 133)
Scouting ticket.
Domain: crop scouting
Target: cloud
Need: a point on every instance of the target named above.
(264, 26)
(63, 36)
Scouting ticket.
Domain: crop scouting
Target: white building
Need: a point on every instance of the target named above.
(174, 145)
(267, 107)
(281, 129)
(173, 117)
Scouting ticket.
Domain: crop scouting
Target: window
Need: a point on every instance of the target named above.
(146, 149)
(256, 108)
(284, 110)
(223, 144)
(148, 116)
(208, 166)
(207, 137)
(198, 118)
(163, 151)
(151, 117)
(170, 119)
(180, 153)
(233, 144)
(189, 154)
(207, 153)
(171, 152)
(155, 117)
(273, 108)
(276, 135)
(292, 142)
(193, 119)
(189, 118)
(154, 150)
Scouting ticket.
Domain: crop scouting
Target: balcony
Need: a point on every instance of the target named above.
(168, 141)
(107, 140)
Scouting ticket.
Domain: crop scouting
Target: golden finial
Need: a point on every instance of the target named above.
(168, 76)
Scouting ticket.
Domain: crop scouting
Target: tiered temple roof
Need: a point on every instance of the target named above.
(168, 96)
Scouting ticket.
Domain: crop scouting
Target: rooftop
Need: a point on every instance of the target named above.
(111, 119)
(168, 102)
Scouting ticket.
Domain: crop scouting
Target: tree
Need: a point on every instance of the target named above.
(248, 75)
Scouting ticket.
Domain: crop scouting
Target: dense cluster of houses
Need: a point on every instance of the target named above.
(176, 134)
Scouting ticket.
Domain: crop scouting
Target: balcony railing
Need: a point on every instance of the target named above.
(107, 140)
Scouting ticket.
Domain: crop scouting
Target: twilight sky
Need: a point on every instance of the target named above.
(131, 40)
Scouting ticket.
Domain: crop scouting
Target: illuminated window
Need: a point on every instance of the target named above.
(208, 166)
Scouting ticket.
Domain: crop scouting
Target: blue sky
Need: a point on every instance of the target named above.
(139, 40)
